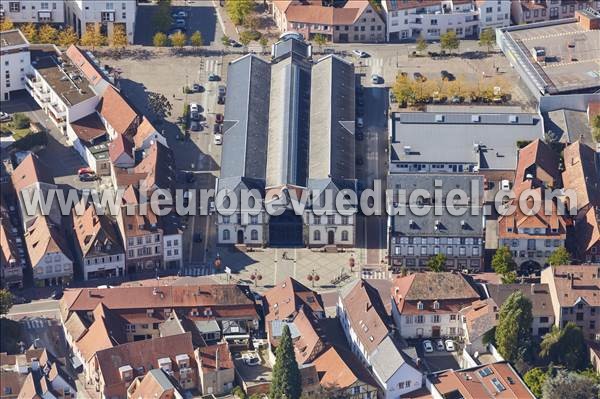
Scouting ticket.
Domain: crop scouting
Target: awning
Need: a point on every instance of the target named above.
(44, 14)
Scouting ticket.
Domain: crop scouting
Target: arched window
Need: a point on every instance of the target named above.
(226, 235)
(317, 235)
(344, 235)
(254, 235)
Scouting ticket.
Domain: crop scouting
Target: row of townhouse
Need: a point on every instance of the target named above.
(78, 95)
(80, 14)
(398, 20)
(126, 338)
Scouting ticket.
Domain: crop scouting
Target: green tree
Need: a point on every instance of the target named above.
(503, 264)
(47, 34)
(560, 256)
(565, 346)
(570, 385)
(239, 10)
(159, 105)
(6, 301)
(225, 40)
(513, 335)
(437, 263)
(245, 38)
(487, 38)
(178, 39)
(263, 44)
(6, 24)
(421, 45)
(286, 376)
(449, 41)
(196, 39)
(67, 37)
(30, 32)
(596, 128)
(162, 18)
(320, 40)
(160, 39)
(119, 37)
(535, 379)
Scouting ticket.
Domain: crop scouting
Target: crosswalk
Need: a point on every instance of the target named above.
(37, 324)
(195, 271)
(375, 274)
(212, 65)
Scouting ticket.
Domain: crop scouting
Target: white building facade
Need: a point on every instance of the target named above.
(335, 229)
(15, 63)
(427, 324)
(80, 13)
(172, 250)
(34, 11)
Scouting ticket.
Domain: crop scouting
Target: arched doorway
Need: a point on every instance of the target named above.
(529, 267)
(330, 237)
(240, 236)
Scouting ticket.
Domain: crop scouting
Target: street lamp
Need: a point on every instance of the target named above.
(312, 277)
(351, 262)
(256, 277)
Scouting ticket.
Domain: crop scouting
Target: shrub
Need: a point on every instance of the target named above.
(21, 121)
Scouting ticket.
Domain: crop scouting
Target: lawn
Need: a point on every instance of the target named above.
(17, 133)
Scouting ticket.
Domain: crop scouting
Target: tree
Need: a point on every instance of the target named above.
(30, 32)
(437, 263)
(47, 34)
(403, 89)
(570, 385)
(238, 10)
(160, 40)
(449, 41)
(596, 128)
(93, 37)
(263, 44)
(286, 376)
(487, 38)
(67, 37)
(566, 347)
(245, 38)
(535, 379)
(252, 22)
(320, 40)
(196, 39)
(513, 335)
(422, 44)
(503, 264)
(162, 18)
(178, 39)
(560, 256)
(6, 301)
(159, 105)
(119, 37)
(225, 40)
(6, 24)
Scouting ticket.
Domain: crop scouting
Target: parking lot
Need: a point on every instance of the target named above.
(438, 359)
(200, 16)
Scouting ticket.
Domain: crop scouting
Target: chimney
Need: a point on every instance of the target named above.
(217, 359)
(532, 288)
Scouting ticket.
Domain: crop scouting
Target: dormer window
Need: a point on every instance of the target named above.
(436, 305)
(420, 305)
(207, 312)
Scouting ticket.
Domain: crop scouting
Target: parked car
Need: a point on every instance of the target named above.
(85, 170)
(221, 100)
(219, 118)
(427, 346)
(87, 177)
(217, 128)
(190, 177)
(57, 294)
(194, 107)
(233, 43)
(359, 161)
(4, 117)
(195, 115)
(176, 30)
(376, 79)
(439, 345)
(213, 77)
(181, 14)
(360, 122)
(450, 345)
(195, 126)
(393, 97)
(198, 88)
(447, 75)
(360, 54)
(419, 76)
(222, 90)
(218, 140)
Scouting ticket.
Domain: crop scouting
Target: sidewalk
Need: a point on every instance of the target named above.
(227, 26)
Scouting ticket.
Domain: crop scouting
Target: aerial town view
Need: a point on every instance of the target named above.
(300, 199)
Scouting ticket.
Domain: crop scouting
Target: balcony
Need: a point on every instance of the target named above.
(57, 111)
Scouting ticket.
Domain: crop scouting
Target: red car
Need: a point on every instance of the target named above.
(82, 171)
(219, 118)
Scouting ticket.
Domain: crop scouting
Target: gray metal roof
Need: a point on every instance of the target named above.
(288, 138)
(446, 182)
(207, 326)
(246, 118)
(290, 45)
(277, 328)
(332, 116)
(486, 140)
(386, 359)
(161, 379)
(448, 225)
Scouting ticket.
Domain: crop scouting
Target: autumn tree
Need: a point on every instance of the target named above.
(119, 37)
(320, 40)
(437, 263)
(67, 37)
(160, 39)
(421, 45)
(30, 32)
(6, 301)
(449, 41)
(93, 37)
(47, 34)
(535, 379)
(196, 39)
(239, 10)
(6, 24)
(178, 39)
(560, 256)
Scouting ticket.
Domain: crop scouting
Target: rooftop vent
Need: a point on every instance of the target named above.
(439, 118)
(407, 149)
(475, 118)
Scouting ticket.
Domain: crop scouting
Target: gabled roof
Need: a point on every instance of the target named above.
(89, 127)
(159, 167)
(31, 170)
(315, 13)
(43, 237)
(144, 130)
(339, 369)
(115, 109)
(366, 314)
(96, 234)
(286, 298)
(480, 317)
(82, 62)
(581, 175)
(538, 154)
(574, 283)
(387, 358)
(155, 384)
(106, 331)
(119, 146)
(312, 340)
(208, 356)
(587, 231)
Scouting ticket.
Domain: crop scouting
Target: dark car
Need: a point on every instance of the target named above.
(57, 294)
(216, 129)
(419, 76)
(221, 100)
(219, 118)
(88, 177)
(233, 43)
(359, 161)
(214, 77)
(447, 76)
(198, 88)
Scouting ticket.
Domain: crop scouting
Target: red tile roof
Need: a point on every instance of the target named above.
(117, 111)
(286, 298)
(89, 127)
(144, 130)
(30, 171)
(581, 175)
(119, 146)
(537, 154)
(208, 356)
(338, 369)
(81, 61)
